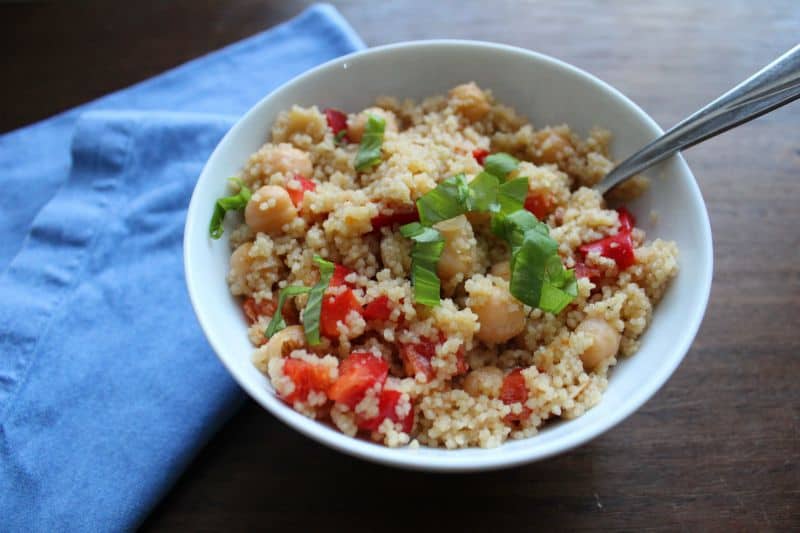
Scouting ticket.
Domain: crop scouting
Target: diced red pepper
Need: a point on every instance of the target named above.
(297, 194)
(253, 310)
(417, 357)
(307, 377)
(582, 270)
(358, 373)
(626, 219)
(335, 309)
(378, 309)
(387, 408)
(461, 361)
(404, 216)
(337, 121)
(540, 204)
(514, 390)
(338, 278)
(480, 155)
(618, 247)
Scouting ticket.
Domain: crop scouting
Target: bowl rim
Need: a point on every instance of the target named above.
(491, 459)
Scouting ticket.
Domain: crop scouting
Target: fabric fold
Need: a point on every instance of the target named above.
(34, 160)
(116, 388)
(107, 385)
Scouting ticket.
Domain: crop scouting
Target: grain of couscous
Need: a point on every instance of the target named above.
(407, 326)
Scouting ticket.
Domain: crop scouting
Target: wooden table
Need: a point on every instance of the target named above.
(717, 448)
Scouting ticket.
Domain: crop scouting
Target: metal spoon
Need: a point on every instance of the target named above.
(771, 87)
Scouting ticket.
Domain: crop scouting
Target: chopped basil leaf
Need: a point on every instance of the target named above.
(369, 150)
(215, 228)
(511, 195)
(446, 201)
(483, 193)
(500, 164)
(428, 246)
(559, 288)
(236, 202)
(277, 323)
(455, 196)
(313, 308)
(513, 226)
(528, 263)
(538, 278)
(338, 139)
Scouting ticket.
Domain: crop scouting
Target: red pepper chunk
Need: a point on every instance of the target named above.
(253, 310)
(358, 373)
(582, 270)
(339, 274)
(378, 309)
(307, 377)
(417, 357)
(337, 121)
(334, 310)
(297, 194)
(626, 219)
(461, 361)
(387, 408)
(512, 391)
(618, 247)
(398, 217)
(540, 204)
(480, 155)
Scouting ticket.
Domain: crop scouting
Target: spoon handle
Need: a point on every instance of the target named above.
(775, 85)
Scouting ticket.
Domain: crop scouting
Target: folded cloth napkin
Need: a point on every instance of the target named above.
(107, 386)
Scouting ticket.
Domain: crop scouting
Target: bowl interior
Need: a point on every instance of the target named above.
(548, 92)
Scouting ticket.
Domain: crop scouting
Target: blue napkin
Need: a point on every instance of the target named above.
(107, 386)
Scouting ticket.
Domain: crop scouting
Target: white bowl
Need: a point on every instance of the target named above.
(547, 91)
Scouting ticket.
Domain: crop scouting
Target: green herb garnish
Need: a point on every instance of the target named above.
(277, 323)
(511, 195)
(338, 139)
(538, 278)
(369, 149)
(482, 193)
(428, 246)
(448, 200)
(236, 202)
(313, 307)
(513, 226)
(500, 165)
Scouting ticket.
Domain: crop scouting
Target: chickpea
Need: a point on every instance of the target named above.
(287, 160)
(487, 380)
(356, 124)
(606, 342)
(239, 267)
(279, 345)
(500, 315)
(269, 209)
(470, 101)
(501, 270)
(459, 253)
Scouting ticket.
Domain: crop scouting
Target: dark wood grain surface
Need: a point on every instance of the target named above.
(717, 448)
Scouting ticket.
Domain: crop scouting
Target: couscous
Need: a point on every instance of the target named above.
(437, 273)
